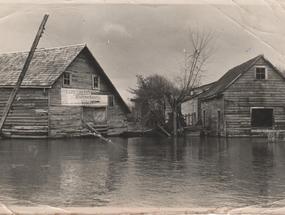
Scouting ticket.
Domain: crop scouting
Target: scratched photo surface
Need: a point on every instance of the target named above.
(145, 38)
(133, 39)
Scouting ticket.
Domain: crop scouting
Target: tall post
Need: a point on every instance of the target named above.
(23, 73)
(175, 118)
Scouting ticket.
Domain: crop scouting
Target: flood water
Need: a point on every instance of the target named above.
(189, 172)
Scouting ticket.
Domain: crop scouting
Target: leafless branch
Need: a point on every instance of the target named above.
(196, 56)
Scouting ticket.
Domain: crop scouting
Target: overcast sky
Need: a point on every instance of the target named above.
(131, 39)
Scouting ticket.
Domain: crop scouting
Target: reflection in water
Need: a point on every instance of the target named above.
(262, 166)
(142, 172)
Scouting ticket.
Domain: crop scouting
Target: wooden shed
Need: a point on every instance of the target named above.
(191, 105)
(64, 88)
(248, 100)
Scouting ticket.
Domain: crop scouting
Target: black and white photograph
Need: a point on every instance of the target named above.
(142, 107)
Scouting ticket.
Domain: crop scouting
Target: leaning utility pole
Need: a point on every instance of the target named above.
(23, 72)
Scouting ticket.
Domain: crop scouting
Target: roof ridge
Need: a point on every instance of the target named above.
(251, 59)
(43, 48)
(58, 47)
(231, 76)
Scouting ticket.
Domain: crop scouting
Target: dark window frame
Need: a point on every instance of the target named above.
(97, 87)
(260, 73)
(67, 79)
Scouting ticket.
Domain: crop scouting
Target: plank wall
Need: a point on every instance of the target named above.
(66, 120)
(211, 108)
(245, 93)
(28, 116)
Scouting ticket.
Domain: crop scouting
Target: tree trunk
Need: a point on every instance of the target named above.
(175, 119)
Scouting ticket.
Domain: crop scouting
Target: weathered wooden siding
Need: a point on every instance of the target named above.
(248, 92)
(63, 120)
(28, 116)
(81, 70)
(211, 108)
(116, 118)
(66, 120)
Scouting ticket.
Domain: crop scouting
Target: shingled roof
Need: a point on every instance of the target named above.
(46, 67)
(232, 75)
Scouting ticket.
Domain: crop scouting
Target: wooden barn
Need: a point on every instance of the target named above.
(249, 100)
(64, 88)
(191, 106)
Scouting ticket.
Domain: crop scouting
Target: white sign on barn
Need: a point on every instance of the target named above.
(82, 97)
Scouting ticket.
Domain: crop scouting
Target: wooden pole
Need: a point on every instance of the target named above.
(95, 132)
(163, 130)
(23, 72)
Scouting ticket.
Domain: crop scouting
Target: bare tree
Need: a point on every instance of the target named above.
(196, 55)
(154, 92)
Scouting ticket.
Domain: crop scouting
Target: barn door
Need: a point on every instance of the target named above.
(262, 117)
(95, 115)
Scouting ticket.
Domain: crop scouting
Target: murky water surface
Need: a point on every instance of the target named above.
(142, 172)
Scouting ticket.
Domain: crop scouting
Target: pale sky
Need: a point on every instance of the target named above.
(131, 39)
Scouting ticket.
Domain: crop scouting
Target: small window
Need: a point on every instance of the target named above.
(66, 79)
(260, 73)
(95, 82)
(111, 101)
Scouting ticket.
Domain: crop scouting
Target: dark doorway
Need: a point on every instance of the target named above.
(218, 122)
(95, 115)
(262, 117)
(204, 118)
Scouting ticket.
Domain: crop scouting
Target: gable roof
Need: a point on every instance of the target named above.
(232, 75)
(46, 67)
(197, 91)
(100, 70)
